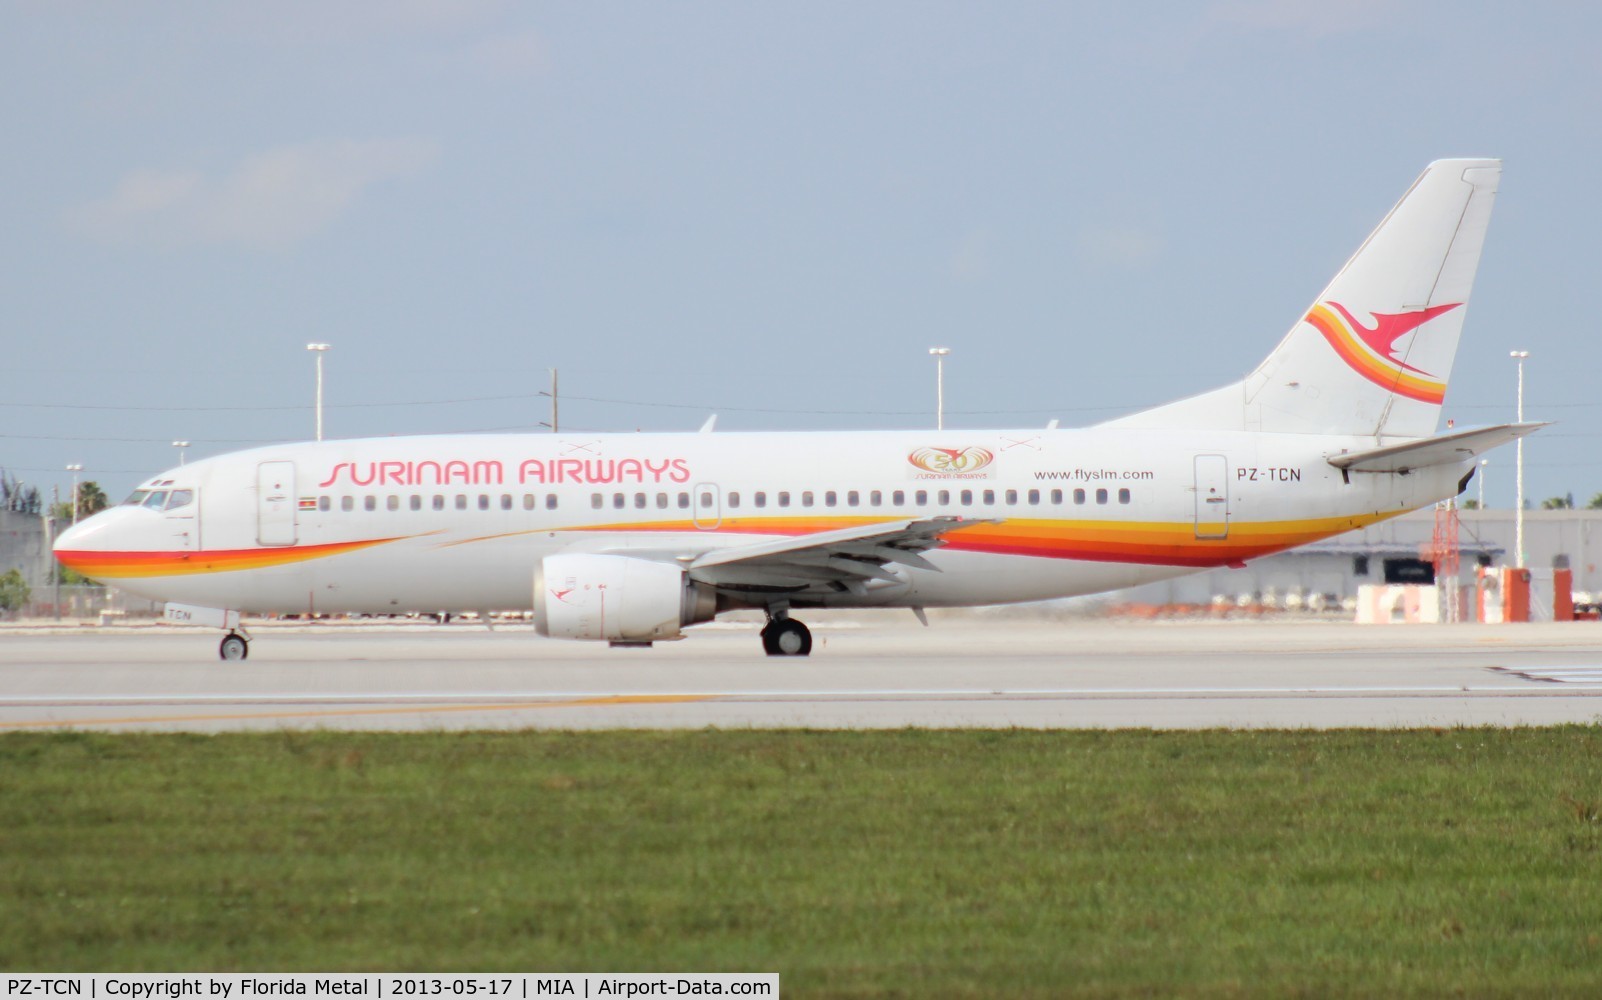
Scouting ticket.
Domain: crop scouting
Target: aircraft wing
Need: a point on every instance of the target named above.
(1444, 449)
(849, 557)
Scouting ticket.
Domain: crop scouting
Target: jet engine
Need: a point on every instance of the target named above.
(616, 598)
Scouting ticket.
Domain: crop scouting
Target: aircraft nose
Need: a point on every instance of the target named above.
(82, 535)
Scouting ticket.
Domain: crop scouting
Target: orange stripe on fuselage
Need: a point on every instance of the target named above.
(1144, 542)
(130, 565)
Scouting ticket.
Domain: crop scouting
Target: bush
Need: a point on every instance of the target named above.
(14, 590)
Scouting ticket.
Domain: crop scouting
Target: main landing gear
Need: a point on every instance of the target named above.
(234, 647)
(784, 636)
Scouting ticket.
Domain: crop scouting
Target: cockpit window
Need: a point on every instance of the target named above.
(136, 498)
(180, 498)
(156, 500)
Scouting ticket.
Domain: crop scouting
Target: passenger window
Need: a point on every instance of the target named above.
(876, 498)
(899, 498)
(439, 502)
(990, 497)
(806, 498)
(830, 499)
(1079, 496)
(461, 501)
(1101, 496)
(323, 504)
(369, 503)
(1034, 497)
(684, 501)
(550, 501)
(347, 504)
(944, 498)
(639, 501)
(661, 501)
(733, 499)
(1012, 497)
(1123, 496)
(180, 498)
(967, 498)
(483, 501)
(618, 501)
(393, 503)
(1056, 496)
(506, 501)
(417, 502)
(761, 499)
(528, 501)
(595, 500)
(921, 498)
(784, 498)
(852, 498)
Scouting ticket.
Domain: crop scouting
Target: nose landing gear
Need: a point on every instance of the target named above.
(234, 647)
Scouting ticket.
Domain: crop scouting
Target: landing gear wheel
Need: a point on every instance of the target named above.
(234, 647)
(786, 637)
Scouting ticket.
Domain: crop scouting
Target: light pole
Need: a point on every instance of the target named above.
(180, 445)
(319, 350)
(940, 385)
(1518, 500)
(1483, 463)
(75, 468)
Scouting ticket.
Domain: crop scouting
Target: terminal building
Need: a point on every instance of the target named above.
(1328, 574)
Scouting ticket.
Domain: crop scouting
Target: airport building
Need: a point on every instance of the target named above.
(1328, 574)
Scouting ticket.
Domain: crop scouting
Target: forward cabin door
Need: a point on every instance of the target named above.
(275, 503)
(1212, 496)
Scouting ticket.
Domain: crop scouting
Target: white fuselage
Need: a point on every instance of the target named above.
(461, 522)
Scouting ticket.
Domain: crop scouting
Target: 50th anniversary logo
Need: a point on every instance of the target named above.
(952, 463)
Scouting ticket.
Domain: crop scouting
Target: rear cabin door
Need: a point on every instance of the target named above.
(275, 503)
(1212, 496)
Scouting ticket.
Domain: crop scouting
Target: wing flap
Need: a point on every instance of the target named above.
(848, 556)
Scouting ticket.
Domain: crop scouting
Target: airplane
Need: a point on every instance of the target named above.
(632, 538)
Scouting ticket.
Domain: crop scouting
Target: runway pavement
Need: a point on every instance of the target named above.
(872, 673)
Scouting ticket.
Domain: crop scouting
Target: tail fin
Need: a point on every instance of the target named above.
(1373, 354)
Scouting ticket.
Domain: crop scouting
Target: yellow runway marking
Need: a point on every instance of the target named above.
(633, 699)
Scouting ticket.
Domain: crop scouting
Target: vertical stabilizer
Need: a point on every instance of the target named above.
(1373, 354)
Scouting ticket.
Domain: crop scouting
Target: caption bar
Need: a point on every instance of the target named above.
(381, 986)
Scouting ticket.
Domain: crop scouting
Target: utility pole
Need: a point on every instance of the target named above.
(554, 424)
(1518, 504)
(75, 468)
(319, 350)
(55, 568)
(940, 385)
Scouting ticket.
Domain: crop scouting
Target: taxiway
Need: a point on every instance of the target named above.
(872, 674)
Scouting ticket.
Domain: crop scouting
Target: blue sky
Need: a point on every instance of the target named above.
(766, 211)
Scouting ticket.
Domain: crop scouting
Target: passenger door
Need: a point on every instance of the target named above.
(1212, 496)
(275, 503)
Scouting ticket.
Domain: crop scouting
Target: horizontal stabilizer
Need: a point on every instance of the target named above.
(1447, 449)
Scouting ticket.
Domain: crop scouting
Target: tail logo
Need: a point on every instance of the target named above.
(1371, 351)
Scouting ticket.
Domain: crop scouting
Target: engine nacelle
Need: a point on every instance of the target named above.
(616, 598)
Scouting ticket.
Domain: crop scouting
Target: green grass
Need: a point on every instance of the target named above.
(916, 863)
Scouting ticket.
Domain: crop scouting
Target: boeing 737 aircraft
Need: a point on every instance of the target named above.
(630, 538)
